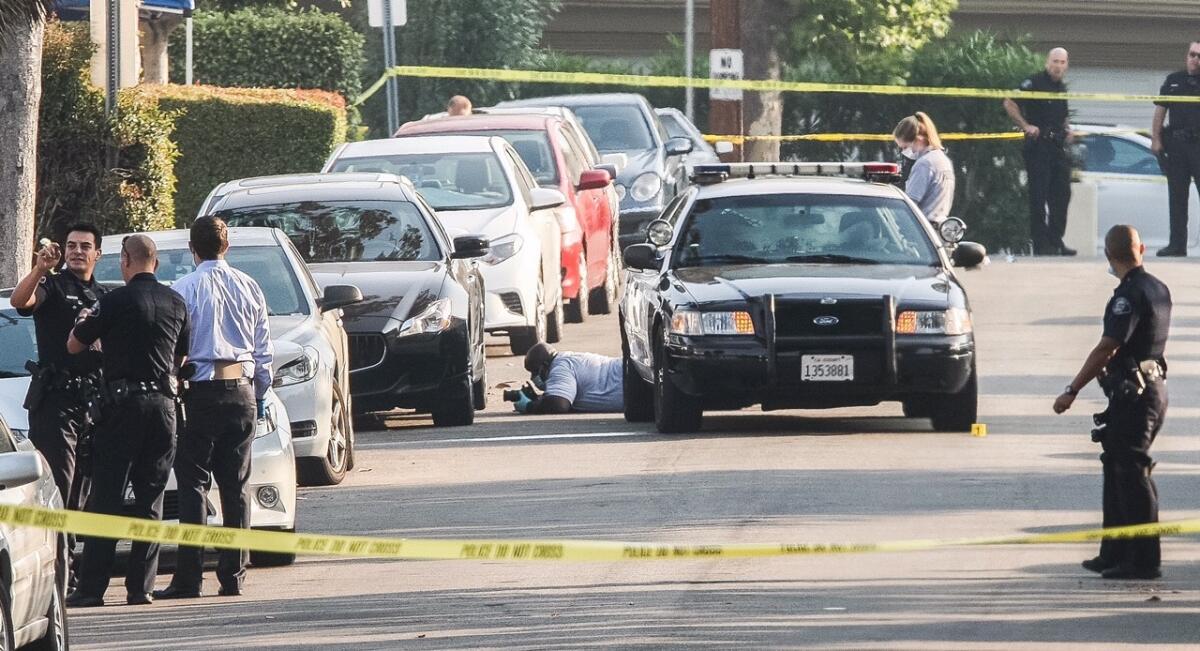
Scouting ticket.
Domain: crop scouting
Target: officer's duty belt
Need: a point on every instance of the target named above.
(219, 384)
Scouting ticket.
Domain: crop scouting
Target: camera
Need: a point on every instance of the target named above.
(514, 395)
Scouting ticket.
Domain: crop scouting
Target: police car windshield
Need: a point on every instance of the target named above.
(469, 181)
(268, 265)
(18, 343)
(802, 228)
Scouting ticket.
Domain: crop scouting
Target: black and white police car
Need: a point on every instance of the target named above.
(797, 286)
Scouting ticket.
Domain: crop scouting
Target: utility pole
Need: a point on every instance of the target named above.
(113, 74)
(389, 61)
(689, 47)
(725, 116)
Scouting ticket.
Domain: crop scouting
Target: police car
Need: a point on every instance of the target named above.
(809, 285)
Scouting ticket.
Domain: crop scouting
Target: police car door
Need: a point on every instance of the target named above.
(640, 302)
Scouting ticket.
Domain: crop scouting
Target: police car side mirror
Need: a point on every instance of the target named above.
(968, 255)
(641, 256)
(337, 296)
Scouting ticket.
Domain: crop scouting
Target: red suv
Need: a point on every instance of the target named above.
(558, 158)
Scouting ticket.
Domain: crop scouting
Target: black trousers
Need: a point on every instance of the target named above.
(215, 445)
(1049, 177)
(55, 427)
(1130, 496)
(134, 444)
(1183, 169)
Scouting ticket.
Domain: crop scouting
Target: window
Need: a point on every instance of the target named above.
(534, 148)
(572, 157)
(673, 126)
(461, 181)
(616, 127)
(1118, 155)
(18, 343)
(802, 228)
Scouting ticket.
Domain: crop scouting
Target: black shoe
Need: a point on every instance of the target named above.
(172, 592)
(1131, 572)
(230, 591)
(1172, 252)
(1097, 565)
(142, 599)
(1064, 250)
(79, 599)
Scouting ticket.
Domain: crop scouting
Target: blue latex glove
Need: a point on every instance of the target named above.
(261, 408)
(522, 405)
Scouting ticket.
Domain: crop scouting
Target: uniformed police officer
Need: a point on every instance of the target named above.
(1047, 163)
(60, 387)
(1132, 370)
(144, 330)
(1178, 146)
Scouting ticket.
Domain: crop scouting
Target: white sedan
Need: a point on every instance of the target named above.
(478, 185)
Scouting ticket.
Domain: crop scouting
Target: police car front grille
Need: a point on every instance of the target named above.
(170, 507)
(814, 319)
(366, 350)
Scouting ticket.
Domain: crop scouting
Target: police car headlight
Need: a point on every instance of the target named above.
(434, 318)
(503, 248)
(301, 369)
(955, 321)
(691, 323)
(646, 187)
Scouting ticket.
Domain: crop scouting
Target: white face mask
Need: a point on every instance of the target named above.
(908, 153)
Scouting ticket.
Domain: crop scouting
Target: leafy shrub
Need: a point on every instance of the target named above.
(74, 182)
(229, 133)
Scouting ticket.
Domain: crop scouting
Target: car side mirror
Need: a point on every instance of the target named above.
(544, 198)
(723, 147)
(20, 468)
(968, 255)
(470, 246)
(337, 296)
(611, 169)
(678, 146)
(596, 179)
(641, 256)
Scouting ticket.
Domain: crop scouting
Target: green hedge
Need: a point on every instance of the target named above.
(74, 182)
(229, 133)
(269, 47)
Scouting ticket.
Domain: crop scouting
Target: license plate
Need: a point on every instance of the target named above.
(827, 368)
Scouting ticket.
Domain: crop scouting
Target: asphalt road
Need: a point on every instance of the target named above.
(860, 474)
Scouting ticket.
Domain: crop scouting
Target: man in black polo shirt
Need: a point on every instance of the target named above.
(1178, 145)
(144, 330)
(1046, 123)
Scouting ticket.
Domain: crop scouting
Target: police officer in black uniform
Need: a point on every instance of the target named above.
(62, 383)
(144, 330)
(1178, 146)
(1132, 371)
(1046, 124)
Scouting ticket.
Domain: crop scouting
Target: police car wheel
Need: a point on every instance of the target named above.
(956, 412)
(637, 393)
(916, 407)
(675, 412)
(272, 559)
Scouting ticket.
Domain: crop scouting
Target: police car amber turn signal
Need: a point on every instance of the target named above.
(796, 286)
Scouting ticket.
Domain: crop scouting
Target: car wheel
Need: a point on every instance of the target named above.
(674, 411)
(956, 412)
(577, 310)
(916, 407)
(520, 340)
(56, 638)
(273, 559)
(638, 393)
(604, 297)
(7, 634)
(479, 391)
(330, 469)
(456, 407)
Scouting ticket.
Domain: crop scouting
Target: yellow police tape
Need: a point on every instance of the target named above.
(651, 81)
(868, 137)
(123, 528)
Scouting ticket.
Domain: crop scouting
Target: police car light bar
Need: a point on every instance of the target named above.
(715, 173)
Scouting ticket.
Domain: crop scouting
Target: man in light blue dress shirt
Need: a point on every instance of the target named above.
(231, 348)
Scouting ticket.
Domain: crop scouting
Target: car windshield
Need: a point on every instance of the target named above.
(616, 127)
(467, 181)
(800, 228)
(534, 149)
(268, 265)
(18, 343)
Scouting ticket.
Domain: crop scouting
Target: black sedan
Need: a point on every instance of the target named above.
(416, 339)
(797, 292)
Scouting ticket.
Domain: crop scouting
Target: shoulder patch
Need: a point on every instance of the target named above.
(1027, 84)
(1121, 306)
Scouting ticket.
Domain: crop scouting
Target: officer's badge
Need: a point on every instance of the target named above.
(1121, 306)
(1027, 84)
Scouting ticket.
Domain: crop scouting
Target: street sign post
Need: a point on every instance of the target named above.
(393, 14)
(376, 8)
(725, 64)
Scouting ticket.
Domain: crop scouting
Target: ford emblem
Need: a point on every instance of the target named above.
(829, 300)
(826, 321)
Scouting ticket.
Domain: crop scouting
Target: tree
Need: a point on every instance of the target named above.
(22, 24)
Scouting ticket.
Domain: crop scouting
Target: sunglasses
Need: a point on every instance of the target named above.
(1194, 55)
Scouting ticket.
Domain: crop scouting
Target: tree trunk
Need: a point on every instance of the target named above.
(155, 36)
(762, 112)
(20, 93)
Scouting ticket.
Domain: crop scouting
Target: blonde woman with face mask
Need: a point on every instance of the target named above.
(930, 184)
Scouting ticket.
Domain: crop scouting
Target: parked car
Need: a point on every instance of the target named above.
(216, 194)
(478, 185)
(797, 293)
(588, 221)
(273, 457)
(679, 126)
(417, 340)
(1130, 187)
(311, 366)
(33, 561)
(626, 124)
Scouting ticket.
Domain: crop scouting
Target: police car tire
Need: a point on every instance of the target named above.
(637, 393)
(675, 412)
(958, 411)
(456, 407)
(272, 559)
(916, 407)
